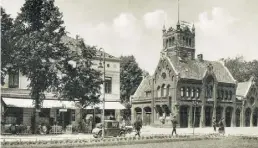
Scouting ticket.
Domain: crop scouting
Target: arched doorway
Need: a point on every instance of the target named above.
(183, 116)
(196, 120)
(208, 116)
(147, 116)
(255, 117)
(219, 111)
(228, 116)
(159, 110)
(247, 117)
(238, 117)
(138, 113)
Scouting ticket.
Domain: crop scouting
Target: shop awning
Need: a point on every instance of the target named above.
(28, 103)
(108, 105)
(23, 103)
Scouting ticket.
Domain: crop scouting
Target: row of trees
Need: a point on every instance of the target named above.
(33, 44)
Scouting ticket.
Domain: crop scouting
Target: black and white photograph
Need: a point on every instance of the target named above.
(129, 73)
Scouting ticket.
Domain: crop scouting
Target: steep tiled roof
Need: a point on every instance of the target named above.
(70, 40)
(196, 69)
(243, 88)
(145, 85)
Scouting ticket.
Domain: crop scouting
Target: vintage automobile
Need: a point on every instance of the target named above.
(111, 129)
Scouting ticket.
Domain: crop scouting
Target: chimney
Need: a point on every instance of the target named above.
(200, 57)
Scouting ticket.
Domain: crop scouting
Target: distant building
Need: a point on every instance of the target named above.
(184, 86)
(17, 105)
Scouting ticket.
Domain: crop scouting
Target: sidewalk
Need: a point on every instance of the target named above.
(147, 130)
(248, 131)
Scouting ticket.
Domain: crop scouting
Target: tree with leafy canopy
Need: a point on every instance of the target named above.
(130, 77)
(80, 82)
(39, 48)
(6, 44)
(241, 69)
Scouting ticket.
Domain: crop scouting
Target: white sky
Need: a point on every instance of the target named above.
(133, 27)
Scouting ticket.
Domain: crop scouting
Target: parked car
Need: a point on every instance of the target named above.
(111, 129)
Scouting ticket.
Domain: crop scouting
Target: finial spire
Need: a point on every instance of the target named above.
(178, 11)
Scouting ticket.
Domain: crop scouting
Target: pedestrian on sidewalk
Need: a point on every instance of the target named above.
(221, 126)
(138, 126)
(174, 123)
(214, 123)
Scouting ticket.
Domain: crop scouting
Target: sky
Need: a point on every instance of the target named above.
(134, 27)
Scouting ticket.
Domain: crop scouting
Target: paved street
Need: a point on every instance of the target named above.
(251, 131)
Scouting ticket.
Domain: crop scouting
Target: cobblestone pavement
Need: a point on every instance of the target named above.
(249, 131)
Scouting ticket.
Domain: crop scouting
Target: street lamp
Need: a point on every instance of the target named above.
(104, 70)
(195, 103)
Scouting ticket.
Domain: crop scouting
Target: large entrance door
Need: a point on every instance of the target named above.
(197, 113)
(247, 117)
(255, 117)
(183, 116)
(208, 116)
(238, 118)
(147, 116)
(228, 116)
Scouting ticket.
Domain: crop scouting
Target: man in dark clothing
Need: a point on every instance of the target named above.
(214, 123)
(138, 126)
(174, 123)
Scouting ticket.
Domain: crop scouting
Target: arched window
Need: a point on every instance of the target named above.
(198, 93)
(163, 90)
(173, 40)
(210, 91)
(222, 95)
(168, 92)
(167, 43)
(182, 91)
(218, 94)
(230, 95)
(188, 92)
(193, 92)
(158, 91)
(190, 42)
(226, 95)
(170, 42)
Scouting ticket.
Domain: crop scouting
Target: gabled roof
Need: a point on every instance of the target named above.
(244, 87)
(73, 41)
(145, 85)
(196, 69)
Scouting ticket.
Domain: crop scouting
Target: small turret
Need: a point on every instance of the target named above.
(178, 26)
(164, 29)
(193, 29)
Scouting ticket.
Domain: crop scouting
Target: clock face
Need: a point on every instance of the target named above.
(163, 75)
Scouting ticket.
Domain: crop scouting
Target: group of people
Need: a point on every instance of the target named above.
(138, 125)
(220, 124)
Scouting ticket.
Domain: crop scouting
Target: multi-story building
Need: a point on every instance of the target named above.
(18, 106)
(193, 89)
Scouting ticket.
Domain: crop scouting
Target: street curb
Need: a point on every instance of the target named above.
(107, 141)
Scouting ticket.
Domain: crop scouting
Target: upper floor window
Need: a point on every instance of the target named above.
(193, 93)
(198, 93)
(168, 87)
(13, 79)
(188, 92)
(226, 95)
(163, 90)
(230, 95)
(182, 91)
(108, 85)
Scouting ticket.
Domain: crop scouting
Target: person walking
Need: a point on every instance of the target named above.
(174, 123)
(138, 126)
(214, 123)
(221, 126)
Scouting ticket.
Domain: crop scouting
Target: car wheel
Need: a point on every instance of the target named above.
(122, 134)
(99, 134)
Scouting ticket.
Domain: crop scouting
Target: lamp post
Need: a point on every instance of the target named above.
(195, 103)
(104, 71)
